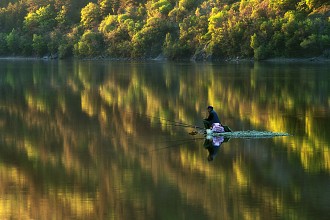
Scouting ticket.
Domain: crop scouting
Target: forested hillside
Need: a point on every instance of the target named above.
(177, 29)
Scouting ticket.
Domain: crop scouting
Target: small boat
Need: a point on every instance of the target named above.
(224, 131)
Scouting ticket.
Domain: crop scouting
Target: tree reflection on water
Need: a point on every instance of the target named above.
(76, 141)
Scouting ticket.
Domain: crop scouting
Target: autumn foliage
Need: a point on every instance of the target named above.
(176, 29)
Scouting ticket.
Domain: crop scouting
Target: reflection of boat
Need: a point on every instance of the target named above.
(212, 144)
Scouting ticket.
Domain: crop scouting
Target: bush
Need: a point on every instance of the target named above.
(261, 53)
(12, 40)
(175, 50)
(90, 45)
(3, 44)
(39, 45)
(64, 50)
(25, 45)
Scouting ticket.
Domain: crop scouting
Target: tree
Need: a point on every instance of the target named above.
(108, 7)
(90, 44)
(40, 21)
(149, 40)
(188, 4)
(315, 3)
(55, 38)
(109, 24)
(159, 8)
(175, 50)
(12, 40)
(220, 28)
(260, 50)
(39, 44)
(26, 45)
(62, 17)
(12, 16)
(118, 31)
(90, 16)
(3, 43)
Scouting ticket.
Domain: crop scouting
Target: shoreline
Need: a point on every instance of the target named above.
(228, 60)
(300, 60)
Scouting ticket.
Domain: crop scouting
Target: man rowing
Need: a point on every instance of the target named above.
(211, 119)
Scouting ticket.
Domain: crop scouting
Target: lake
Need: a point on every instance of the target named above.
(109, 140)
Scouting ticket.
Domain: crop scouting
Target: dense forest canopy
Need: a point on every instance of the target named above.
(177, 29)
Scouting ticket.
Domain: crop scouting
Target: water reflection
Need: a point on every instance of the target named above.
(212, 145)
(82, 140)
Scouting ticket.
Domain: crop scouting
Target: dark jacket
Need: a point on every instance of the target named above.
(213, 117)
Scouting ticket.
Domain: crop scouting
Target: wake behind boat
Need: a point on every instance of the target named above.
(246, 134)
(239, 134)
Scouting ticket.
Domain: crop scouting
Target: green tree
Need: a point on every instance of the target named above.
(65, 47)
(294, 31)
(282, 6)
(149, 40)
(62, 17)
(26, 45)
(315, 3)
(108, 24)
(12, 40)
(316, 39)
(55, 39)
(192, 30)
(188, 4)
(138, 28)
(159, 8)
(260, 50)
(12, 16)
(40, 21)
(108, 7)
(118, 31)
(33, 5)
(90, 44)
(176, 50)
(90, 16)
(218, 31)
(39, 45)
(3, 43)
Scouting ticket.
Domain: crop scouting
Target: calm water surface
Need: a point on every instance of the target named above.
(96, 140)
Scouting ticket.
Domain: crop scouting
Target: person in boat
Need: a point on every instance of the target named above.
(212, 118)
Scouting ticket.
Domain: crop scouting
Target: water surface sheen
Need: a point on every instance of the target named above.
(97, 140)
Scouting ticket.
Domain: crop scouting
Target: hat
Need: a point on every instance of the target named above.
(211, 107)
